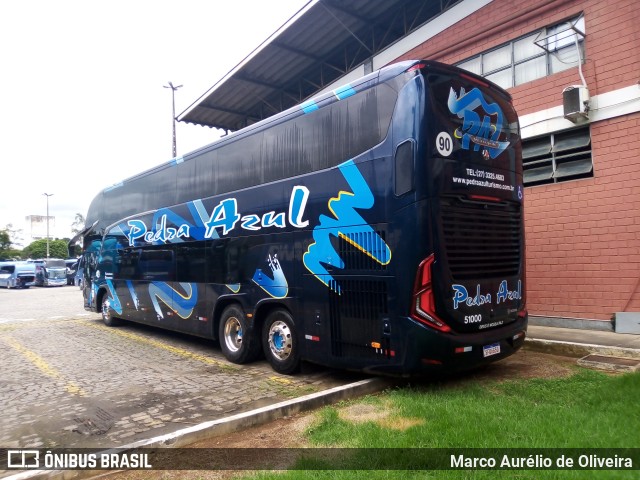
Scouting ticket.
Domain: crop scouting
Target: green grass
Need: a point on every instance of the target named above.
(587, 410)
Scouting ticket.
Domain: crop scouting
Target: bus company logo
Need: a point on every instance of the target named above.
(477, 131)
(223, 219)
(462, 296)
(347, 224)
(23, 459)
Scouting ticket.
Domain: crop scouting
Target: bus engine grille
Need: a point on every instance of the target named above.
(355, 315)
(482, 240)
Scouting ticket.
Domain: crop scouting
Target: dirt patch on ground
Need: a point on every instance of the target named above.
(383, 415)
(286, 432)
(529, 364)
(289, 432)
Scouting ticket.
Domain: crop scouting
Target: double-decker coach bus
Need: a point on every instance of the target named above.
(377, 227)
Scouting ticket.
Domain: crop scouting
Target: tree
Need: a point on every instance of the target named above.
(5, 244)
(38, 249)
(76, 227)
(78, 223)
(15, 234)
(7, 251)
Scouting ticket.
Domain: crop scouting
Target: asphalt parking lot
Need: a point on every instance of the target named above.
(70, 381)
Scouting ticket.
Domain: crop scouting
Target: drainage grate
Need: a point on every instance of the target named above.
(97, 424)
(603, 362)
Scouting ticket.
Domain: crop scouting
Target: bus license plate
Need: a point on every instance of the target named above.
(492, 349)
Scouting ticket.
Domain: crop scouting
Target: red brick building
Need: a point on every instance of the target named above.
(582, 175)
(582, 234)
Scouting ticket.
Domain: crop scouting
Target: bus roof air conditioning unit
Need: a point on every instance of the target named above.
(575, 100)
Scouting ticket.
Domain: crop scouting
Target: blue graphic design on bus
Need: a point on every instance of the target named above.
(276, 287)
(114, 301)
(224, 216)
(180, 304)
(93, 292)
(347, 224)
(479, 131)
(134, 295)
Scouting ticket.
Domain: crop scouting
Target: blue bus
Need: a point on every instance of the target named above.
(377, 227)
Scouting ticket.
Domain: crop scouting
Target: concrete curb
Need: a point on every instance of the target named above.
(226, 425)
(263, 415)
(573, 349)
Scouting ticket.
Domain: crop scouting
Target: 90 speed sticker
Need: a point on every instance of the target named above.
(444, 144)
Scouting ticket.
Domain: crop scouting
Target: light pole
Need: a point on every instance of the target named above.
(48, 195)
(173, 112)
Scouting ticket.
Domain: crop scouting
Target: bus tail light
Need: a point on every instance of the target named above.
(424, 306)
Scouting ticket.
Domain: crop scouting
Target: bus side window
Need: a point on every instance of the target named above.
(129, 268)
(157, 263)
(404, 168)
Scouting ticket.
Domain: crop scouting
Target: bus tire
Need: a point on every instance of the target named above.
(108, 319)
(239, 343)
(280, 343)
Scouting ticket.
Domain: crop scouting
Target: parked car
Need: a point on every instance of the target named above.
(50, 272)
(17, 274)
(72, 266)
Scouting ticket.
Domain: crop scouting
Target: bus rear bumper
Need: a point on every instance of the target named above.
(430, 352)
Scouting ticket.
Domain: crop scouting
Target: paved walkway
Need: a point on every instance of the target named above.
(563, 341)
(571, 341)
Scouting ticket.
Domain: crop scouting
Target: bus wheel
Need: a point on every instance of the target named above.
(108, 319)
(279, 342)
(238, 342)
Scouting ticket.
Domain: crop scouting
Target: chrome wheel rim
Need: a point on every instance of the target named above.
(106, 315)
(280, 340)
(233, 334)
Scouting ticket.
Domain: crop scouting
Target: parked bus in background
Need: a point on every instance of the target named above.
(377, 227)
(17, 274)
(50, 272)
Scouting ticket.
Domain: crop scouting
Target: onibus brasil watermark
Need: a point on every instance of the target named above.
(37, 459)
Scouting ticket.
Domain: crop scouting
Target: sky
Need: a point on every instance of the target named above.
(82, 103)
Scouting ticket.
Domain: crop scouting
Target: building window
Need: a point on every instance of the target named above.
(557, 157)
(541, 53)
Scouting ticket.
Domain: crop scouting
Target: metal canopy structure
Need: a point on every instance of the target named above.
(324, 41)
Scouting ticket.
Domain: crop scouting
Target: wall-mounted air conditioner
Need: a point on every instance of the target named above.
(575, 100)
